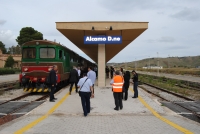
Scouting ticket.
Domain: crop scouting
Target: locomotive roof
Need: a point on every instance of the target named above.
(49, 43)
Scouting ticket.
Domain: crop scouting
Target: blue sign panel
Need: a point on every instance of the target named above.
(102, 39)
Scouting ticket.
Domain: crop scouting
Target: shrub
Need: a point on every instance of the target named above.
(4, 71)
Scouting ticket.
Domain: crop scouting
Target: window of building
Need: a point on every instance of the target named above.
(47, 53)
(29, 53)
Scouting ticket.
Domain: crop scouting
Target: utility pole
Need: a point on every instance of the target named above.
(135, 65)
(157, 65)
(168, 62)
(149, 62)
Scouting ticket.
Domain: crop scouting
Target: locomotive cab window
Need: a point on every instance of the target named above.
(47, 53)
(29, 53)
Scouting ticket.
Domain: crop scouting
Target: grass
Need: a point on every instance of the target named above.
(181, 71)
(170, 85)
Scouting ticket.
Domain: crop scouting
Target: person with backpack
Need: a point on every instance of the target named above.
(73, 79)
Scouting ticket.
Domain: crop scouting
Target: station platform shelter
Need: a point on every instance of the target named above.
(89, 37)
(144, 115)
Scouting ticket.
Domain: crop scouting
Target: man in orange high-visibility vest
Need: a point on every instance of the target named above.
(117, 87)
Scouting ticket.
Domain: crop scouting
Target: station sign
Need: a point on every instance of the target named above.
(102, 39)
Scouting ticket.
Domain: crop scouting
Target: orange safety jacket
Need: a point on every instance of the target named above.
(118, 83)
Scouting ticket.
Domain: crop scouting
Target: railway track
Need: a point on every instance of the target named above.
(178, 104)
(19, 106)
(8, 85)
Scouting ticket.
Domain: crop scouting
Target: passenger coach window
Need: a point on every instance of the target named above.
(47, 53)
(29, 53)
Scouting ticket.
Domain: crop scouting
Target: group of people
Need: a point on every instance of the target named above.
(86, 85)
(120, 85)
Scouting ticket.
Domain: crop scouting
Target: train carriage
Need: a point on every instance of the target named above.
(38, 58)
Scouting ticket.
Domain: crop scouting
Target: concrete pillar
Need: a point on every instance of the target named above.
(101, 65)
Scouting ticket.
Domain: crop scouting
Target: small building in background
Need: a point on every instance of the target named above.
(16, 57)
(153, 67)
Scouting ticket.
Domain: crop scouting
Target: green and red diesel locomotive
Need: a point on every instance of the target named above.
(38, 58)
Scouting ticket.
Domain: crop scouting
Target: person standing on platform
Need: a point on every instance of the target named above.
(126, 84)
(107, 72)
(117, 87)
(135, 84)
(79, 72)
(86, 91)
(53, 82)
(92, 76)
(121, 71)
(73, 79)
(96, 71)
(111, 72)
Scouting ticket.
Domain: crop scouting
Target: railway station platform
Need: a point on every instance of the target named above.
(138, 116)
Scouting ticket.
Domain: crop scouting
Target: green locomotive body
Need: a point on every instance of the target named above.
(38, 58)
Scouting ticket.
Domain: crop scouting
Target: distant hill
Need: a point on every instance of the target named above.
(189, 61)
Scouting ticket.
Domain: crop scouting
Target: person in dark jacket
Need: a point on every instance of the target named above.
(107, 72)
(73, 79)
(126, 84)
(111, 72)
(135, 84)
(53, 82)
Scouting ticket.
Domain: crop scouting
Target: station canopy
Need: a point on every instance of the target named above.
(75, 32)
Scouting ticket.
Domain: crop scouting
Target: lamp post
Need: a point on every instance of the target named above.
(157, 65)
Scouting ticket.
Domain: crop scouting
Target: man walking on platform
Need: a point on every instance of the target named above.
(92, 76)
(53, 82)
(117, 86)
(86, 91)
(73, 79)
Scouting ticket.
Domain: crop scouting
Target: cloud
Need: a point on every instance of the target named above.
(166, 39)
(2, 22)
(188, 14)
(127, 5)
(8, 38)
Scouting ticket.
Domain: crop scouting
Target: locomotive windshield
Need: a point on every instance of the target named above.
(47, 53)
(29, 53)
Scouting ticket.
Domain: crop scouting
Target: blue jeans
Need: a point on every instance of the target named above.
(85, 101)
(135, 85)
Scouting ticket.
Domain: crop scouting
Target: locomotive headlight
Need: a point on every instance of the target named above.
(23, 74)
(25, 69)
(49, 69)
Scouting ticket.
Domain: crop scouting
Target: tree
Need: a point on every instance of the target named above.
(14, 50)
(9, 62)
(2, 47)
(28, 34)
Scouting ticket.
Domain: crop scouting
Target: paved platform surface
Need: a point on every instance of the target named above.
(9, 78)
(138, 116)
(173, 76)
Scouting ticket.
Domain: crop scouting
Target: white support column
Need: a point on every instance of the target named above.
(101, 65)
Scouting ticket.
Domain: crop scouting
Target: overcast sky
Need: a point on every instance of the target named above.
(174, 25)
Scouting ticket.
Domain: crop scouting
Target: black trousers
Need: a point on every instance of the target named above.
(135, 86)
(85, 101)
(125, 94)
(118, 99)
(72, 83)
(53, 88)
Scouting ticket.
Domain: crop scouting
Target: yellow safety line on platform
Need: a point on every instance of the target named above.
(35, 122)
(162, 118)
